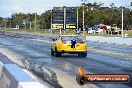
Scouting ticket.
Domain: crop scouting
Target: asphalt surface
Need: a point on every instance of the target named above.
(102, 58)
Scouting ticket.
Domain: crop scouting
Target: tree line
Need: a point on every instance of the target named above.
(94, 13)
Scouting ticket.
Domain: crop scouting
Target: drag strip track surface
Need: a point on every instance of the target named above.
(102, 58)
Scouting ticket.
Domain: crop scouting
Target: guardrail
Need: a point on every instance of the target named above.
(12, 76)
(113, 40)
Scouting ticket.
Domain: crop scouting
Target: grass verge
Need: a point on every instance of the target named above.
(57, 32)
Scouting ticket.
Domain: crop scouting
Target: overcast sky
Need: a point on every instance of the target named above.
(8, 7)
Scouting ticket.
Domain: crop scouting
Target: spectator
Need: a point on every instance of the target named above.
(128, 27)
(86, 28)
(77, 31)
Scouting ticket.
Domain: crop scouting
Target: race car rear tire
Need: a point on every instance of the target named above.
(57, 54)
(52, 52)
(84, 55)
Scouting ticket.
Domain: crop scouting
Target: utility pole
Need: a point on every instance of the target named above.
(77, 18)
(83, 14)
(131, 5)
(10, 22)
(122, 21)
(83, 20)
(64, 19)
(5, 20)
(35, 23)
(5, 24)
(51, 23)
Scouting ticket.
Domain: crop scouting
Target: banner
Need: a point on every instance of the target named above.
(83, 77)
(57, 26)
(71, 26)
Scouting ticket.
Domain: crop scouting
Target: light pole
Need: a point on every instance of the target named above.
(77, 17)
(122, 21)
(131, 5)
(35, 22)
(64, 19)
(10, 22)
(51, 23)
(83, 19)
(83, 14)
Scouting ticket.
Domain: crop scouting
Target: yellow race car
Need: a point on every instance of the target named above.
(72, 44)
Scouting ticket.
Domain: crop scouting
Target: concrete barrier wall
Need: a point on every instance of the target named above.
(1, 67)
(113, 40)
(12, 76)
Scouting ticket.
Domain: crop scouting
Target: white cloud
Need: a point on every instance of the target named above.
(18, 9)
(8, 7)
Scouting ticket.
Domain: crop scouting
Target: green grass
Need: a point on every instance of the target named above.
(46, 31)
(129, 33)
(10, 29)
(28, 30)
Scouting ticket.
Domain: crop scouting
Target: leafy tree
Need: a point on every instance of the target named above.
(45, 20)
(18, 18)
(1, 22)
(94, 13)
(31, 18)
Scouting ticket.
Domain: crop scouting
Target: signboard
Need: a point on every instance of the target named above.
(64, 18)
(68, 26)
(57, 26)
(57, 18)
(71, 17)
